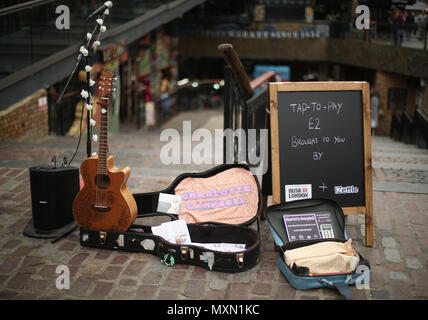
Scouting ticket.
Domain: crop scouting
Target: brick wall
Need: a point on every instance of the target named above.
(26, 119)
(385, 81)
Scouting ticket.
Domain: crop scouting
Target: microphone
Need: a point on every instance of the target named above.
(106, 5)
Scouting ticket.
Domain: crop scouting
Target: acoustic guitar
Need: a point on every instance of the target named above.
(105, 202)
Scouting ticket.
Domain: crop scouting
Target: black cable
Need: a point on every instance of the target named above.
(83, 105)
(89, 114)
(80, 132)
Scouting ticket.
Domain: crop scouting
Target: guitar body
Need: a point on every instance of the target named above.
(110, 207)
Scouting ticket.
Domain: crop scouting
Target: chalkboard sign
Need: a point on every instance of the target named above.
(321, 144)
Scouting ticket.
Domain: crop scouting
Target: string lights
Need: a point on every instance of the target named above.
(84, 50)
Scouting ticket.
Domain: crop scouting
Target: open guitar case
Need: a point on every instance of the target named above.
(299, 277)
(231, 225)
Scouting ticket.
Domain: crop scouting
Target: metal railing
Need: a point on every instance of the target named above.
(243, 109)
(38, 12)
(29, 33)
(314, 32)
(410, 128)
(405, 35)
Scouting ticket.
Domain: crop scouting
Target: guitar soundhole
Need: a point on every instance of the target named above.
(102, 181)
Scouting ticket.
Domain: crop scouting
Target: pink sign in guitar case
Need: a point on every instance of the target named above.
(219, 205)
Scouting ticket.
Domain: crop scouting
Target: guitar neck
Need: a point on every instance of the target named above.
(103, 147)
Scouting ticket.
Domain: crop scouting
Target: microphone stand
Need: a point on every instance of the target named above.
(86, 92)
(88, 112)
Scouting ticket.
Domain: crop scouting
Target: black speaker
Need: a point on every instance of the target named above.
(52, 194)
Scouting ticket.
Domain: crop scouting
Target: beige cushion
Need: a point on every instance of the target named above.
(324, 258)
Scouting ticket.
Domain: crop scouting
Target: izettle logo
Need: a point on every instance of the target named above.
(345, 190)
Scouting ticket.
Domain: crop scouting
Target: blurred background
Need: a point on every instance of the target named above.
(165, 56)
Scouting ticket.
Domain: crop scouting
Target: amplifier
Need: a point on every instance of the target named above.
(52, 193)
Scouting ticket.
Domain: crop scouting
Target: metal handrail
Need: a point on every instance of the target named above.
(262, 79)
(243, 109)
(23, 6)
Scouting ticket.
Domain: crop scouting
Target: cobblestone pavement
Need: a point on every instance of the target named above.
(399, 257)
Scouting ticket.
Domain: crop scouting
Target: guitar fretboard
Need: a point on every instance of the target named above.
(103, 147)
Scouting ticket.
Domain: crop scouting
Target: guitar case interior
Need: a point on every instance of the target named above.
(219, 205)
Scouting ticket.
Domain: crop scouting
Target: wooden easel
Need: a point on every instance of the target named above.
(274, 88)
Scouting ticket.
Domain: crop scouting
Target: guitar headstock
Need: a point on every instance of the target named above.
(105, 84)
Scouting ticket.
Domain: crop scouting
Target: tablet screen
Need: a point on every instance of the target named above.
(309, 226)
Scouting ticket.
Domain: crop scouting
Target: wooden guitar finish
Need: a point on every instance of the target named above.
(116, 209)
(105, 202)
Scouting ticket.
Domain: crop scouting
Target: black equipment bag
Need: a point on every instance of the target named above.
(139, 237)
